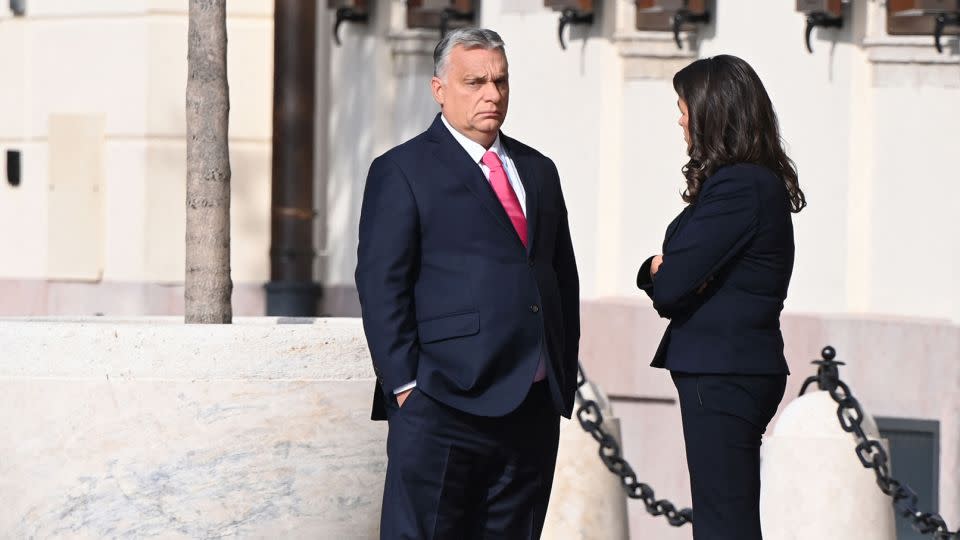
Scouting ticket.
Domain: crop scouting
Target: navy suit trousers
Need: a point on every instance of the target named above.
(724, 417)
(454, 475)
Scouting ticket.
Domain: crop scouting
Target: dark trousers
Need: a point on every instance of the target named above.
(724, 417)
(453, 475)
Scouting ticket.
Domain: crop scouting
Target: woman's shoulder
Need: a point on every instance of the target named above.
(745, 171)
(742, 176)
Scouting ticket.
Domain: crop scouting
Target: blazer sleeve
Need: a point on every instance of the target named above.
(568, 280)
(722, 222)
(644, 279)
(388, 256)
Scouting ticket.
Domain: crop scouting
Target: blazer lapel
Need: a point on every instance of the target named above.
(449, 153)
(526, 168)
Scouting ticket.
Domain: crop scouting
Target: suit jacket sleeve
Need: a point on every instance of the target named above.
(723, 220)
(565, 268)
(388, 257)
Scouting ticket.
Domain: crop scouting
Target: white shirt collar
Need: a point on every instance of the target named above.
(473, 148)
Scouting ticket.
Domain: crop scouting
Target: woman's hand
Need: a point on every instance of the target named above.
(655, 265)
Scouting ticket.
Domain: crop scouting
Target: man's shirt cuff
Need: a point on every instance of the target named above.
(405, 387)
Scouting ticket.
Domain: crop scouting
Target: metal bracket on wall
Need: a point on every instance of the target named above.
(13, 168)
(822, 13)
(440, 14)
(924, 17)
(450, 14)
(944, 20)
(355, 11)
(685, 16)
(672, 15)
(571, 12)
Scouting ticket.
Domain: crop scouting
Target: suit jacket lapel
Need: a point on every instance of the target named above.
(455, 158)
(526, 168)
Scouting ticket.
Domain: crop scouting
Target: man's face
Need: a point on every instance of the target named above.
(474, 92)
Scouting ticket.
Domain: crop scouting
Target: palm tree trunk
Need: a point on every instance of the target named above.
(208, 284)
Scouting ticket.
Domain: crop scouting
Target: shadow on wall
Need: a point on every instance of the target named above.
(353, 123)
(415, 107)
(378, 100)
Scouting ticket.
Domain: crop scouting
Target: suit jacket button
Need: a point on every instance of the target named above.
(530, 262)
(534, 309)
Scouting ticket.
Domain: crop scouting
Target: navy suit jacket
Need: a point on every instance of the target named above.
(738, 239)
(449, 295)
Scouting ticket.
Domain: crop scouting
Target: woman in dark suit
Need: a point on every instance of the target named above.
(722, 280)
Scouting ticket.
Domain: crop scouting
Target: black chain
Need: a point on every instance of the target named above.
(591, 419)
(871, 452)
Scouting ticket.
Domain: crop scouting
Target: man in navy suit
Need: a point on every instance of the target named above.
(470, 300)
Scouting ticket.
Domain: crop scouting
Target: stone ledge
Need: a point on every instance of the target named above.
(417, 42)
(654, 55)
(913, 61)
(164, 348)
(910, 50)
(412, 51)
(654, 44)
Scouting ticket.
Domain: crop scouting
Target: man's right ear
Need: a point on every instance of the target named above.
(438, 90)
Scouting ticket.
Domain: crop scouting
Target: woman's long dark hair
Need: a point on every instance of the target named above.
(731, 120)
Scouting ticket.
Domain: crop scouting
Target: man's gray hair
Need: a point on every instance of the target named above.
(469, 38)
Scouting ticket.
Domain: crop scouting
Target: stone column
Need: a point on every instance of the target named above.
(813, 485)
(588, 502)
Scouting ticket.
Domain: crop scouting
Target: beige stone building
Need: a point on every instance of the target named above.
(92, 106)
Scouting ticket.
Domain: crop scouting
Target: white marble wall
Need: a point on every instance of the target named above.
(190, 459)
(148, 428)
(131, 430)
(260, 429)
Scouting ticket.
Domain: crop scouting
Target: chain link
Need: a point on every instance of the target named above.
(591, 420)
(871, 453)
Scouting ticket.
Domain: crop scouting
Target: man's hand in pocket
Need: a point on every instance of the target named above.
(402, 396)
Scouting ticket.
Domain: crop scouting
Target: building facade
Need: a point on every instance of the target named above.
(92, 109)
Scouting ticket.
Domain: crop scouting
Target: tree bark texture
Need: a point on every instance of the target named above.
(208, 284)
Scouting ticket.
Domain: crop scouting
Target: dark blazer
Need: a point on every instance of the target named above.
(738, 238)
(449, 295)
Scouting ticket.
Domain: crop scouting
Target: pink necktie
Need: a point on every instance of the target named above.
(508, 197)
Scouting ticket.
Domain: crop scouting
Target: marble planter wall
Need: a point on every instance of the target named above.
(150, 428)
(155, 429)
